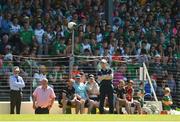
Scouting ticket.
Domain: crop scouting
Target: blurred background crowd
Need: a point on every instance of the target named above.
(34, 33)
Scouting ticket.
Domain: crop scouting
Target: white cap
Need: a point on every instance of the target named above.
(104, 61)
(157, 56)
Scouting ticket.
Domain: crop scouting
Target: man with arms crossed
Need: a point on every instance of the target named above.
(16, 83)
(105, 76)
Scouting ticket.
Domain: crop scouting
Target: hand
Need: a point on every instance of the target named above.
(34, 107)
(115, 95)
(64, 95)
(78, 97)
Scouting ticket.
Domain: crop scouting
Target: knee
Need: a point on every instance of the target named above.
(82, 102)
(117, 102)
(138, 104)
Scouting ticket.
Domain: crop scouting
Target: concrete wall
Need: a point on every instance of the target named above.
(26, 108)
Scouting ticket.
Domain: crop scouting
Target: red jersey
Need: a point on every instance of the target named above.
(129, 93)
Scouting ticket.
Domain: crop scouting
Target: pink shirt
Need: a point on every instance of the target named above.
(43, 97)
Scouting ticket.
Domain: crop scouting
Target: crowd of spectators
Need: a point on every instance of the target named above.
(147, 29)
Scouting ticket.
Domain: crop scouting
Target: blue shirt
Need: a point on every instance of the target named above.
(80, 89)
(16, 84)
(5, 25)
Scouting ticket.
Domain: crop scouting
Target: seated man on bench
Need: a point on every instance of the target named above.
(81, 96)
(93, 93)
(121, 98)
(67, 96)
(129, 96)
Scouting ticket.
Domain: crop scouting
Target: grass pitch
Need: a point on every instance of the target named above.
(90, 118)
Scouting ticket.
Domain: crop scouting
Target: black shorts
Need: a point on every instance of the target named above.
(94, 98)
(69, 103)
(86, 104)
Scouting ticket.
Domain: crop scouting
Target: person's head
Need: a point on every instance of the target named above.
(26, 50)
(127, 49)
(170, 49)
(130, 83)
(105, 44)
(42, 69)
(87, 52)
(44, 83)
(98, 30)
(16, 70)
(15, 20)
(164, 83)
(26, 25)
(143, 52)
(123, 68)
(62, 40)
(157, 58)
(38, 25)
(78, 78)
(91, 78)
(7, 49)
(69, 82)
(5, 38)
(121, 83)
(167, 91)
(75, 16)
(170, 75)
(108, 28)
(7, 16)
(103, 63)
(47, 15)
(141, 84)
(49, 28)
(106, 51)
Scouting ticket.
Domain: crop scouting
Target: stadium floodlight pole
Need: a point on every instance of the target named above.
(109, 11)
(72, 55)
(72, 26)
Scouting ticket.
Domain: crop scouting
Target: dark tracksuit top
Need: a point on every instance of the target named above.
(106, 89)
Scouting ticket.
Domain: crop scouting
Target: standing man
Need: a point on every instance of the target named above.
(43, 98)
(105, 76)
(16, 83)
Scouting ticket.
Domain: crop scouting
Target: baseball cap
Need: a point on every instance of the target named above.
(91, 76)
(157, 56)
(104, 61)
(78, 76)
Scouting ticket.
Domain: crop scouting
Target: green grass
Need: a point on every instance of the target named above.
(80, 118)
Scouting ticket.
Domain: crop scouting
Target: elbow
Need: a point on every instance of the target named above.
(23, 85)
(53, 99)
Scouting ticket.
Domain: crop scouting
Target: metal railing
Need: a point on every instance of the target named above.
(57, 70)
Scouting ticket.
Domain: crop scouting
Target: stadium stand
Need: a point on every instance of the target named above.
(34, 33)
